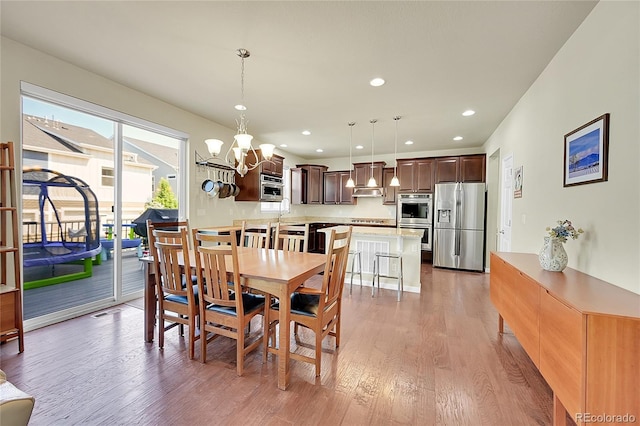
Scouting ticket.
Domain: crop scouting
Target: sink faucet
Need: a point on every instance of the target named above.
(283, 207)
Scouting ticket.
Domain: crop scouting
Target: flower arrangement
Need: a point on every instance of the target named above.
(563, 230)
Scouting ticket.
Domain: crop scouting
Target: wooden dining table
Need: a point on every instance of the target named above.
(275, 272)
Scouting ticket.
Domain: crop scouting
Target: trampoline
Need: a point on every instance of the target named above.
(57, 237)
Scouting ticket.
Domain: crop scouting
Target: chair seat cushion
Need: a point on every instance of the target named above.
(183, 299)
(250, 303)
(302, 304)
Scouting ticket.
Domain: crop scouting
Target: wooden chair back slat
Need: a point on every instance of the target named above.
(336, 267)
(256, 236)
(291, 237)
(214, 276)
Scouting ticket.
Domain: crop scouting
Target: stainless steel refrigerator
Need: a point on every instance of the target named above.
(458, 226)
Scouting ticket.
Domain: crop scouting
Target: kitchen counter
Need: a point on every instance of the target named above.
(379, 231)
(313, 219)
(369, 240)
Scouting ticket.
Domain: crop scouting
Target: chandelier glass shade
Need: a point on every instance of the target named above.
(241, 145)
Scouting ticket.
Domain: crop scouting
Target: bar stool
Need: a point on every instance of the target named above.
(354, 254)
(376, 272)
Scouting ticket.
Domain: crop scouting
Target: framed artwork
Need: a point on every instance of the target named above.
(517, 183)
(586, 153)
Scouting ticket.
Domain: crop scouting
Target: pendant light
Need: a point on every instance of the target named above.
(395, 181)
(372, 181)
(350, 183)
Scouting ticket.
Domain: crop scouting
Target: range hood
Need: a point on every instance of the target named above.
(368, 192)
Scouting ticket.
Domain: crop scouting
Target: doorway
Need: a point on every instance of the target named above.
(506, 202)
(121, 161)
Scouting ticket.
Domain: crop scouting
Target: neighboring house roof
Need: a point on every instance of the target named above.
(162, 153)
(55, 136)
(34, 136)
(74, 137)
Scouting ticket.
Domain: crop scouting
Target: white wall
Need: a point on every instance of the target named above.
(597, 71)
(20, 62)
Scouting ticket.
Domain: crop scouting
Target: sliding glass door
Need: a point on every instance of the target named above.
(88, 175)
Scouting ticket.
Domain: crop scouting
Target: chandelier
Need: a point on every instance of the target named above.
(241, 145)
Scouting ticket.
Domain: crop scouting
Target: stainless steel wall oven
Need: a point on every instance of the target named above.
(416, 211)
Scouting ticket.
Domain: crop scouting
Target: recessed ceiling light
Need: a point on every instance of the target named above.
(408, 143)
(457, 138)
(359, 146)
(283, 145)
(240, 107)
(306, 132)
(377, 82)
(468, 112)
(319, 150)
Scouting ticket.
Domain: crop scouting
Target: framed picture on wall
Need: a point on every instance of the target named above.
(586, 153)
(517, 183)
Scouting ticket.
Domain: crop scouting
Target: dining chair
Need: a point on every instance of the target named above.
(291, 237)
(222, 311)
(318, 309)
(177, 299)
(257, 236)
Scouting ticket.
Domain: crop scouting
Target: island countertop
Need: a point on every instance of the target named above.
(379, 231)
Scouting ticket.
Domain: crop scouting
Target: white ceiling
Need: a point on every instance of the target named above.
(311, 62)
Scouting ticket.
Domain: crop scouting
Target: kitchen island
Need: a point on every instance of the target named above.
(369, 240)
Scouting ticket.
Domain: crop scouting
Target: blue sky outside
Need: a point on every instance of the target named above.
(585, 145)
(99, 125)
(50, 111)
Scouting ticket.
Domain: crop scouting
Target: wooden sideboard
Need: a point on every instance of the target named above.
(582, 333)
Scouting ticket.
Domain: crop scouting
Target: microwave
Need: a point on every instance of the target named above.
(271, 188)
(415, 209)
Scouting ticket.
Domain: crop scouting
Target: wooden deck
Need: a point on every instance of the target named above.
(435, 358)
(46, 300)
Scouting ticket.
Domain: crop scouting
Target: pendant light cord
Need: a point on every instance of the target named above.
(351, 124)
(395, 148)
(373, 125)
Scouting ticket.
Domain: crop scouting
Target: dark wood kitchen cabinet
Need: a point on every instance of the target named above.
(363, 173)
(250, 183)
(307, 183)
(335, 190)
(275, 167)
(415, 175)
(390, 192)
(464, 168)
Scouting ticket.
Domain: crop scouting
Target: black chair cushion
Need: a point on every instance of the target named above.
(302, 304)
(250, 303)
(183, 299)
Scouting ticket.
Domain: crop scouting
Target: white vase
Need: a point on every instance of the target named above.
(552, 256)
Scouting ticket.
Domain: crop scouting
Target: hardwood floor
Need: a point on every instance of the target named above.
(434, 358)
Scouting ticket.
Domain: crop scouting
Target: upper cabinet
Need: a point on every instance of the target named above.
(390, 192)
(307, 184)
(274, 167)
(335, 190)
(415, 175)
(363, 173)
(465, 168)
(250, 183)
